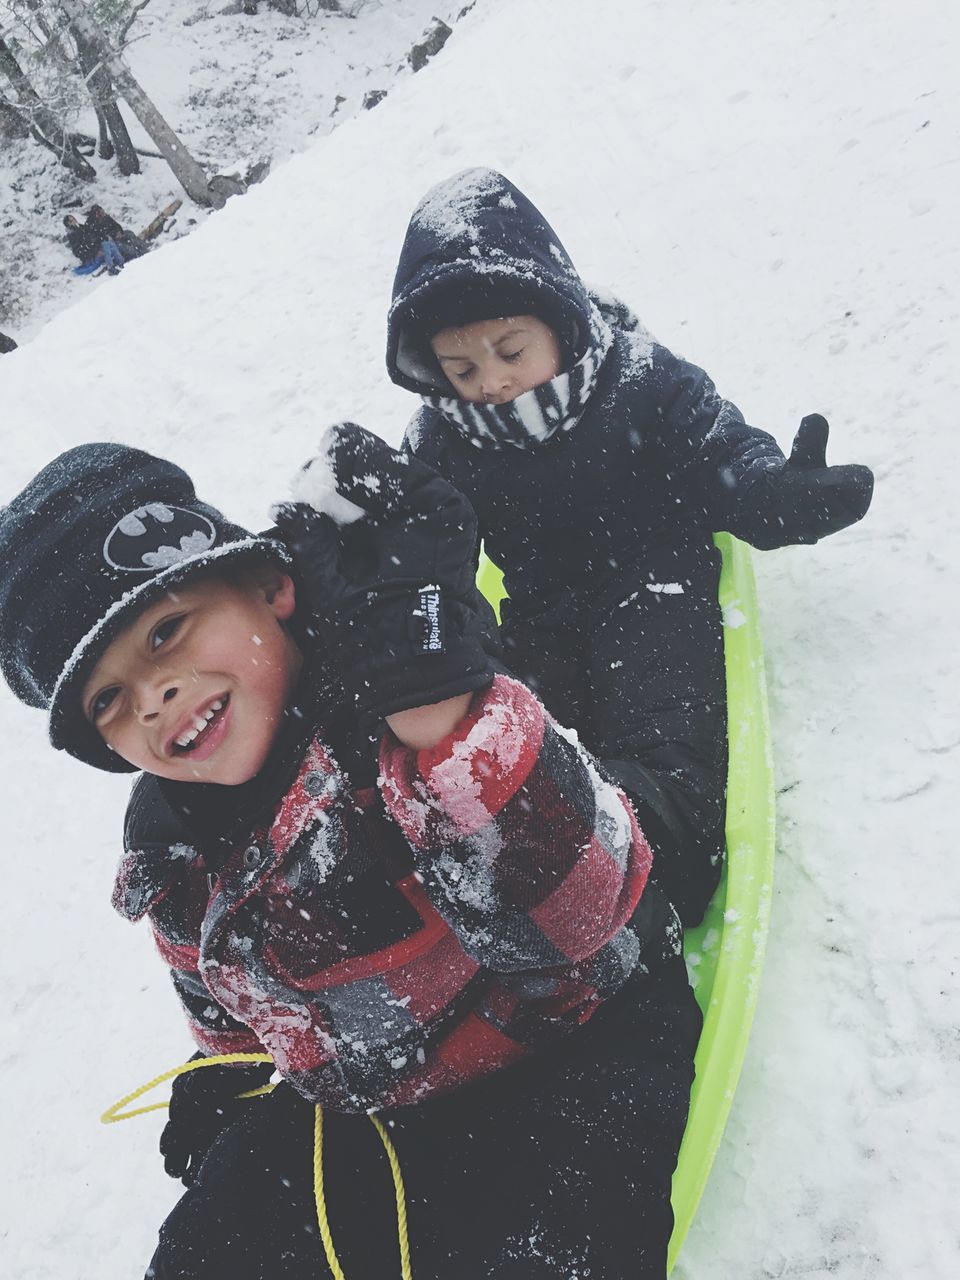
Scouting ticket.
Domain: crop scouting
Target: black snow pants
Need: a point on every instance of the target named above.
(635, 665)
(555, 1168)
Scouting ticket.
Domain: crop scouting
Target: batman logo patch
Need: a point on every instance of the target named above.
(155, 536)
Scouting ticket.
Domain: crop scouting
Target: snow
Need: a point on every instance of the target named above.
(316, 485)
(773, 187)
(492, 749)
(237, 88)
(451, 207)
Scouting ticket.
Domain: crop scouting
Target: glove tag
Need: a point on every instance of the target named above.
(429, 616)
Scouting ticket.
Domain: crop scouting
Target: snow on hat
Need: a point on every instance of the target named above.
(97, 535)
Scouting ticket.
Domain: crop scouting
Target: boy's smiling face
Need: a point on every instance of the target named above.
(494, 361)
(194, 690)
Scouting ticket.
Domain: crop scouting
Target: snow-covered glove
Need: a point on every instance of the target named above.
(804, 500)
(203, 1103)
(386, 550)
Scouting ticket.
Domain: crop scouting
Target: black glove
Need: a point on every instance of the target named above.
(805, 500)
(203, 1103)
(395, 589)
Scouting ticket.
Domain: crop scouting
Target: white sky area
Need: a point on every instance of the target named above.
(773, 188)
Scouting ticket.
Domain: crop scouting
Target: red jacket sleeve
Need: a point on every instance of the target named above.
(532, 858)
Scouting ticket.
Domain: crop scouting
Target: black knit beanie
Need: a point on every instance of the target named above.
(100, 533)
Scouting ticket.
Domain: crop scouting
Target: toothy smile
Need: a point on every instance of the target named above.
(200, 725)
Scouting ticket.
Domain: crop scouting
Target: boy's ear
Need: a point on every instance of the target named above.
(281, 596)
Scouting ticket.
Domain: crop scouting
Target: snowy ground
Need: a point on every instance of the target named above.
(237, 89)
(774, 188)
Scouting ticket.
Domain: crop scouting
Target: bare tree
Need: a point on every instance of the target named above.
(129, 20)
(187, 171)
(43, 123)
(114, 137)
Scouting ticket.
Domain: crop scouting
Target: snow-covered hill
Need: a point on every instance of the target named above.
(239, 89)
(773, 187)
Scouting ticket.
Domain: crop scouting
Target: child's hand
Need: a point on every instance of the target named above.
(806, 499)
(203, 1104)
(386, 550)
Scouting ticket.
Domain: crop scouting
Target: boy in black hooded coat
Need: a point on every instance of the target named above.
(598, 481)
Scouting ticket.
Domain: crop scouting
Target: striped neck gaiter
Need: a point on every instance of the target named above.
(532, 418)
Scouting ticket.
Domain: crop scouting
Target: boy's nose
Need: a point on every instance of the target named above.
(150, 701)
(495, 386)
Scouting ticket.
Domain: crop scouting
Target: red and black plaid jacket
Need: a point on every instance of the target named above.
(386, 943)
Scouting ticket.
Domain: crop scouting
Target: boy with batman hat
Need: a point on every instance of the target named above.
(366, 850)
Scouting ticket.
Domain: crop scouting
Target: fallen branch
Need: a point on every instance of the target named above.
(154, 228)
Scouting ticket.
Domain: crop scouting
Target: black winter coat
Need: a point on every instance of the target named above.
(657, 457)
(84, 242)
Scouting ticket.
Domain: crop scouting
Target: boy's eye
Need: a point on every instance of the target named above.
(163, 631)
(465, 374)
(513, 356)
(101, 702)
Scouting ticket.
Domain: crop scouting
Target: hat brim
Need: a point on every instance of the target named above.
(69, 728)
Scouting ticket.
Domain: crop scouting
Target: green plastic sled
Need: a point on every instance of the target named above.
(725, 953)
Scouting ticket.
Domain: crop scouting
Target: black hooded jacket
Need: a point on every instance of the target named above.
(84, 242)
(657, 457)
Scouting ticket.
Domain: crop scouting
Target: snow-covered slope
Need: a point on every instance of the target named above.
(773, 187)
(239, 89)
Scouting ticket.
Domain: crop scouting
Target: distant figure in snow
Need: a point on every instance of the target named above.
(103, 225)
(92, 246)
(6, 344)
(79, 238)
(599, 465)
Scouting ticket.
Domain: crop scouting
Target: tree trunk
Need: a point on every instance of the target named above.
(105, 148)
(126, 152)
(45, 126)
(98, 82)
(101, 91)
(186, 170)
(12, 121)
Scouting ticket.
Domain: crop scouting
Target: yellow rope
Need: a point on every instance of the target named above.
(116, 1113)
(325, 1233)
(405, 1269)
